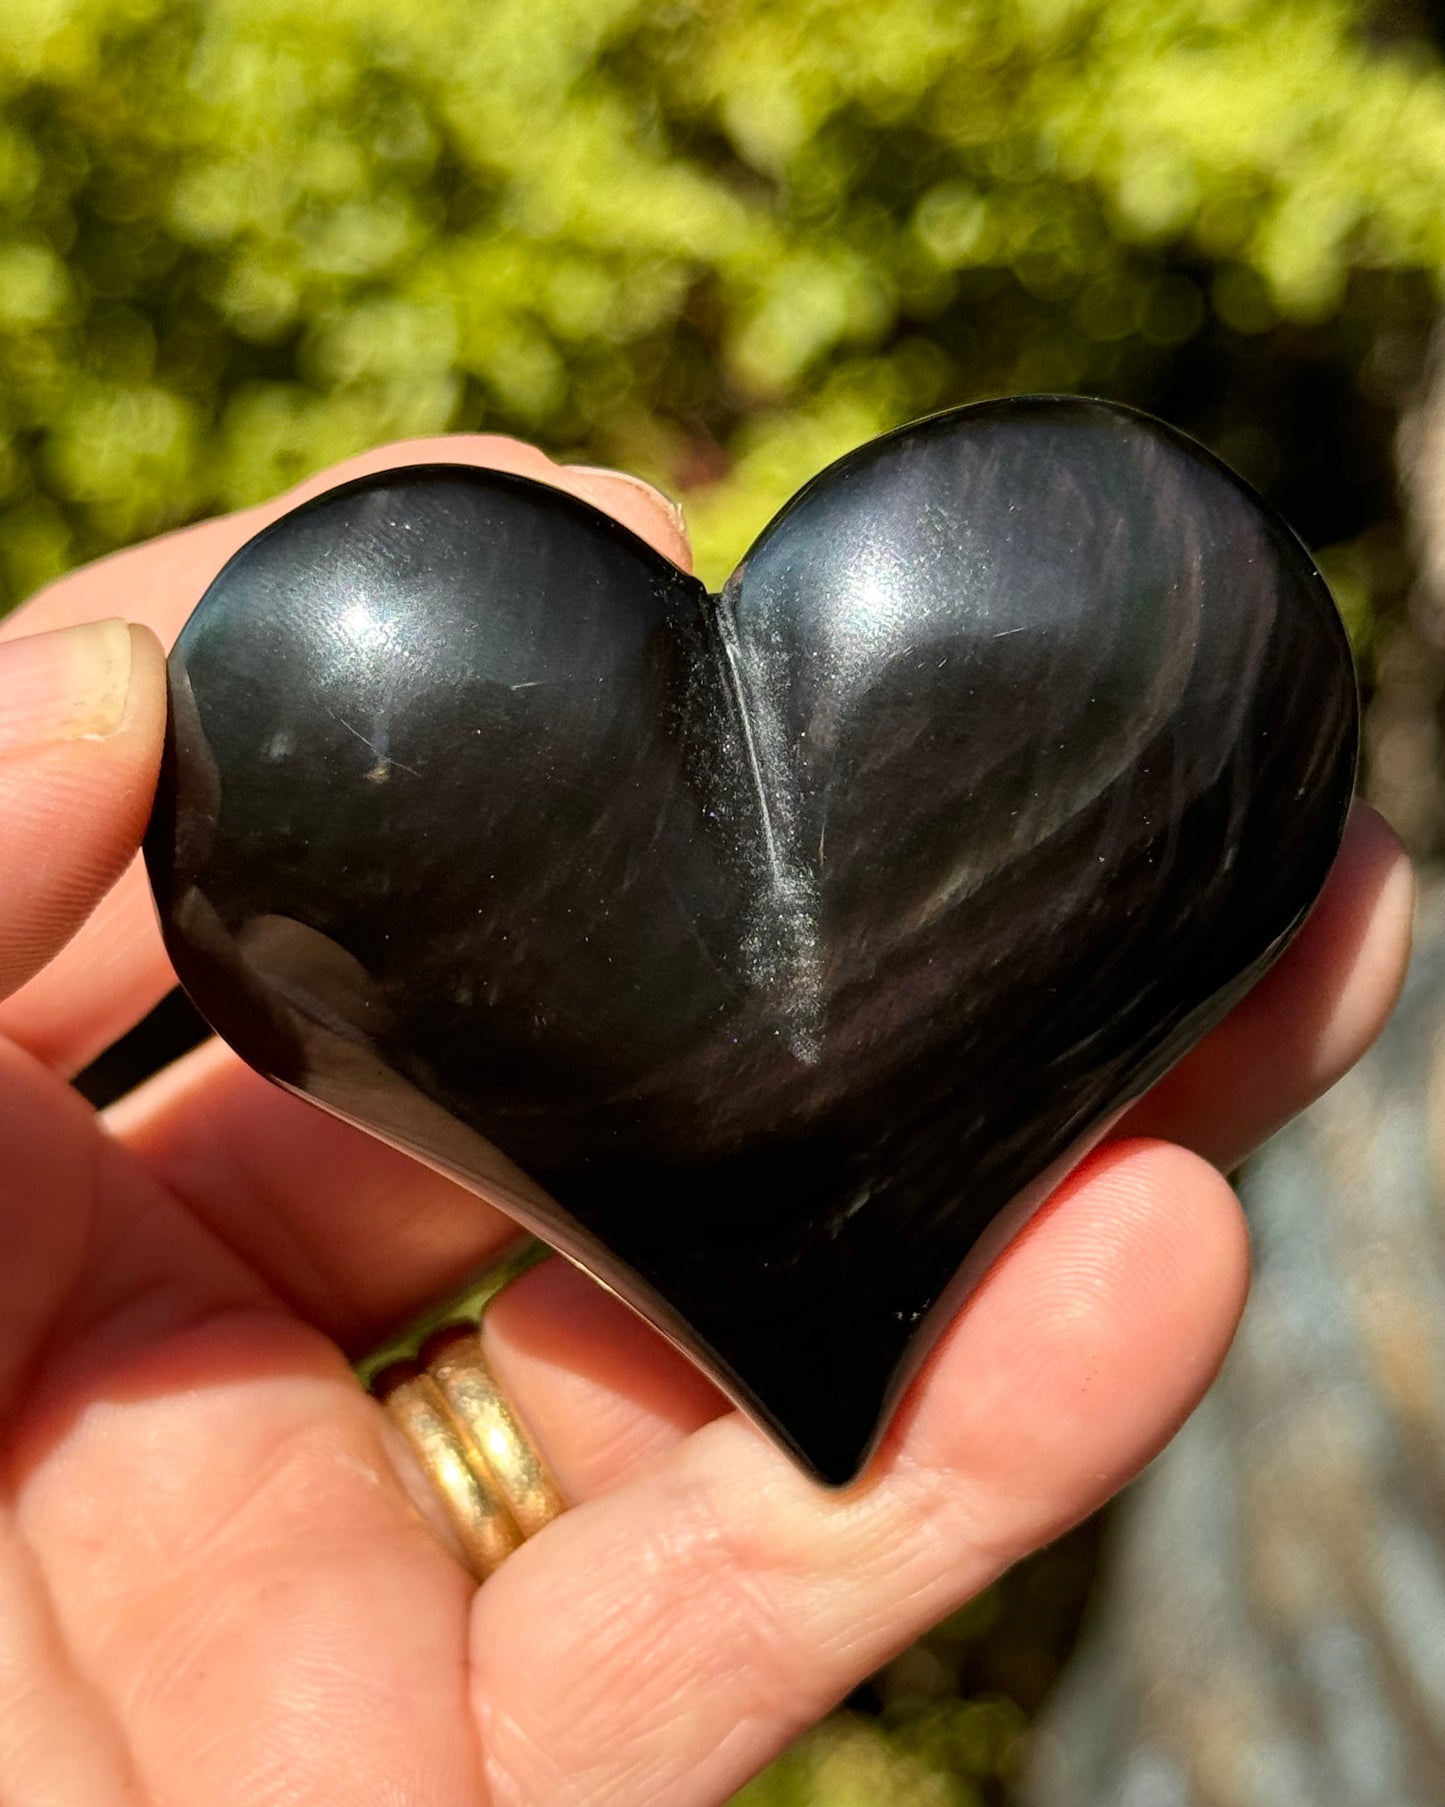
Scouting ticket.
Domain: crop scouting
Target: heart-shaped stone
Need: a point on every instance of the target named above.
(770, 953)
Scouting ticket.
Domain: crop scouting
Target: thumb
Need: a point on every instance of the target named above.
(82, 720)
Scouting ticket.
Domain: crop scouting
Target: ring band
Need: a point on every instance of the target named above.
(466, 1436)
(495, 1437)
(484, 1528)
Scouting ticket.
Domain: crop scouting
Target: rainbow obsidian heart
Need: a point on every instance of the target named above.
(767, 952)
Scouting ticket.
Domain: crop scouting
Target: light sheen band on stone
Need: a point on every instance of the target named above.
(495, 1438)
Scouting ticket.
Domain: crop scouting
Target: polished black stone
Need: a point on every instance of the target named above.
(785, 943)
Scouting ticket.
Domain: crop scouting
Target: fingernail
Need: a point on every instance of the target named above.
(69, 684)
(673, 510)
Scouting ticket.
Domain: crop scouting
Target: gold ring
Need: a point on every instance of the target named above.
(470, 1443)
(495, 1437)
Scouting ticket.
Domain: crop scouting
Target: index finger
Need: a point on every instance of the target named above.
(116, 968)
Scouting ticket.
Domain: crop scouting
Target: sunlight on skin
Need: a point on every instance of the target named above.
(212, 1584)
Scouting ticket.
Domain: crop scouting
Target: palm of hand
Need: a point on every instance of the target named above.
(214, 1583)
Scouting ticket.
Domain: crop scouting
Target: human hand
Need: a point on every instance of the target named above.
(213, 1585)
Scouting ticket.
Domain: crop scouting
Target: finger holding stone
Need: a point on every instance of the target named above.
(1308, 1020)
(356, 1237)
(605, 1394)
(81, 716)
(669, 1636)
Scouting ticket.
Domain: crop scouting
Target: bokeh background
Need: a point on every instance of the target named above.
(719, 242)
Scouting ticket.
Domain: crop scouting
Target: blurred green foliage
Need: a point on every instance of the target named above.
(717, 242)
(944, 1724)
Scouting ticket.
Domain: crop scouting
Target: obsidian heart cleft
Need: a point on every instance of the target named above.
(769, 952)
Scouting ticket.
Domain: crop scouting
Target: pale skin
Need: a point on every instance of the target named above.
(214, 1584)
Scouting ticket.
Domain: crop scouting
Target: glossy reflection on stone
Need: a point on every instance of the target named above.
(766, 952)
